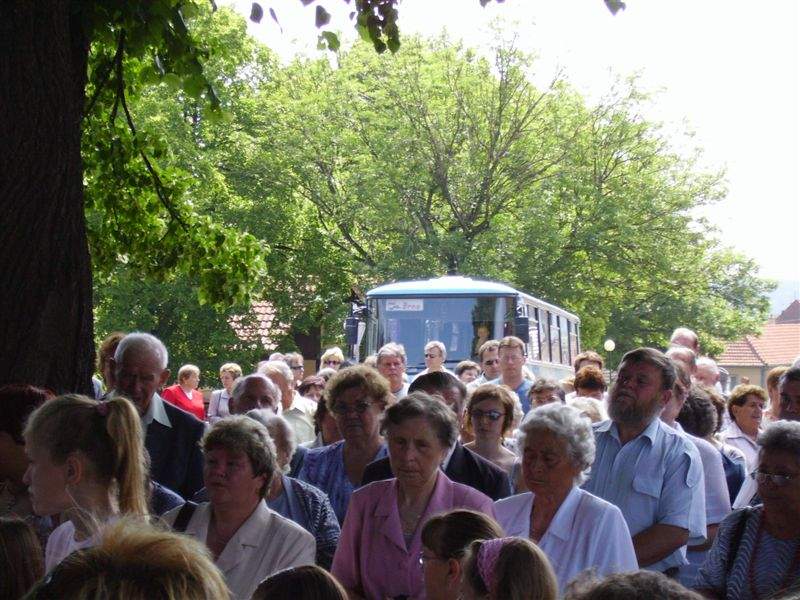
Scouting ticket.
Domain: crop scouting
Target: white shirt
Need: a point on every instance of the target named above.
(155, 412)
(265, 544)
(300, 416)
(62, 543)
(734, 436)
(585, 532)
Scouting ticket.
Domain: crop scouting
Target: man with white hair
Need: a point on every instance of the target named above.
(707, 372)
(296, 409)
(685, 337)
(172, 435)
(391, 363)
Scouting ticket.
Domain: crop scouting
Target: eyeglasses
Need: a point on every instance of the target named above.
(297, 367)
(359, 408)
(494, 361)
(331, 362)
(431, 356)
(492, 415)
(778, 480)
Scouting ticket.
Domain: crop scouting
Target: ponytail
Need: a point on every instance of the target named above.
(107, 434)
(124, 427)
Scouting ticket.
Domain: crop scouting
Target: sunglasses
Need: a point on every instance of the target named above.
(492, 415)
(431, 356)
(332, 362)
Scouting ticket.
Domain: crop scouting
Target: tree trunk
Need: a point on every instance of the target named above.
(45, 271)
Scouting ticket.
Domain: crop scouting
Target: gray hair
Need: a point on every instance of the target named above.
(570, 425)
(279, 429)
(439, 346)
(139, 341)
(439, 416)
(239, 385)
(277, 366)
(705, 361)
(392, 349)
(782, 436)
(238, 433)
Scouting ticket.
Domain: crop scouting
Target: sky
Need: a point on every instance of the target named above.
(726, 70)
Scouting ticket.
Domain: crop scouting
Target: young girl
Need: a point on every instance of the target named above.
(87, 461)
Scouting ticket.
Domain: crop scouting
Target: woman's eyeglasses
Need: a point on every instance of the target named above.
(332, 363)
(359, 408)
(492, 415)
(778, 480)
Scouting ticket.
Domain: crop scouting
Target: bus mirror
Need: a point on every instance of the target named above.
(521, 328)
(351, 330)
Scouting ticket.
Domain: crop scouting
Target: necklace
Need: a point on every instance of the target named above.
(751, 578)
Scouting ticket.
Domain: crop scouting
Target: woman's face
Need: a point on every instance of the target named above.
(487, 420)
(314, 393)
(229, 478)
(227, 380)
(468, 375)
(192, 381)
(47, 482)
(748, 416)
(546, 466)
(784, 495)
(441, 575)
(433, 359)
(415, 452)
(357, 415)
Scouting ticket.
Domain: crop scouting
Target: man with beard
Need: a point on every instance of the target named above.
(645, 467)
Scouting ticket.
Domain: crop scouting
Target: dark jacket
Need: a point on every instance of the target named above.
(464, 467)
(175, 458)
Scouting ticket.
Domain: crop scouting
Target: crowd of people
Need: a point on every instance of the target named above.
(362, 481)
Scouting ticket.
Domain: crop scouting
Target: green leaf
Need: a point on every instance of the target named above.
(330, 40)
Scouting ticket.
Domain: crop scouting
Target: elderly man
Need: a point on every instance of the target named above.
(391, 363)
(297, 365)
(512, 358)
(256, 391)
(296, 409)
(646, 468)
(707, 372)
(685, 337)
(684, 356)
(461, 464)
(172, 435)
(490, 364)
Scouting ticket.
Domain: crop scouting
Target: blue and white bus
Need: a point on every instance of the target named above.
(462, 313)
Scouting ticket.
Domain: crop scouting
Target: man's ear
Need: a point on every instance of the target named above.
(666, 396)
(453, 572)
(163, 378)
(74, 469)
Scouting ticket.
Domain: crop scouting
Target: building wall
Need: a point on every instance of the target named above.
(757, 375)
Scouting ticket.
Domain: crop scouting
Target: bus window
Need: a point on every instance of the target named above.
(574, 345)
(562, 325)
(534, 350)
(544, 334)
(555, 344)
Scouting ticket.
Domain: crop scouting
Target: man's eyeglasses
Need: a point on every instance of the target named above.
(778, 480)
(359, 408)
(428, 355)
(494, 361)
(492, 415)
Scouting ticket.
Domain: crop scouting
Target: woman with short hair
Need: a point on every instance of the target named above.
(184, 394)
(332, 358)
(325, 427)
(575, 529)
(508, 568)
(247, 539)
(490, 417)
(756, 553)
(378, 553)
(219, 406)
(301, 583)
(446, 538)
(356, 396)
(746, 409)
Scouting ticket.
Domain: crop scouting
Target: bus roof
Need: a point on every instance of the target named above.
(456, 285)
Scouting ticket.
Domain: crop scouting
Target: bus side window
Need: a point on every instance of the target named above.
(534, 350)
(564, 332)
(544, 334)
(555, 344)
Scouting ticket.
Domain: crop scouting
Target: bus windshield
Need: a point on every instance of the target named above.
(462, 324)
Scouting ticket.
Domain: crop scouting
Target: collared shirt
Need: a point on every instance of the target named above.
(402, 392)
(734, 436)
(522, 392)
(155, 412)
(652, 479)
(300, 416)
(264, 544)
(585, 532)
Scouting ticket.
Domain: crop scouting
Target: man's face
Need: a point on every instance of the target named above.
(452, 397)
(284, 387)
(790, 401)
(706, 375)
(511, 361)
(686, 341)
(298, 370)
(490, 363)
(138, 376)
(255, 394)
(637, 395)
(392, 369)
(433, 358)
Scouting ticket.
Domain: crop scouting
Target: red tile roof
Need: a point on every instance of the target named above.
(778, 344)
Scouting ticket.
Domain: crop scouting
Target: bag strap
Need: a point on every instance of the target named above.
(184, 516)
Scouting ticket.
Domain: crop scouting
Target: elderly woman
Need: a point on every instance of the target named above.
(294, 499)
(490, 416)
(219, 407)
(248, 540)
(356, 396)
(756, 553)
(746, 409)
(184, 394)
(332, 358)
(545, 391)
(325, 427)
(575, 529)
(445, 541)
(378, 555)
(312, 387)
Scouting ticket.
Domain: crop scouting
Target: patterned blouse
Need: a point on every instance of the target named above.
(324, 468)
(761, 562)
